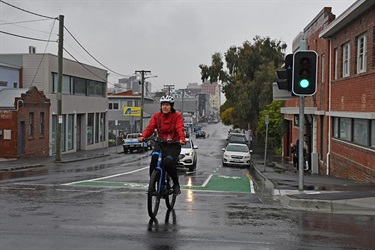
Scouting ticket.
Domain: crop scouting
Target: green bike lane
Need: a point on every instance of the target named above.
(214, 182)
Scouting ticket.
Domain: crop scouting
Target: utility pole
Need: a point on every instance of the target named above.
(169, 87)
(142, 95)
(59, 88)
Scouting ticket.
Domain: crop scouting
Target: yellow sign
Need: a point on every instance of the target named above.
(132, 111)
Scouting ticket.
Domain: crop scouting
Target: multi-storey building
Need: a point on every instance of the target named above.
(124, 112)
(340, 119)
(84, 98)
(214, 90)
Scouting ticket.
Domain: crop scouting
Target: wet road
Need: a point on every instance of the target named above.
(101, 204)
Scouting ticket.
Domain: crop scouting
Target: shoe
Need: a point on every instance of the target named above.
(176, 189)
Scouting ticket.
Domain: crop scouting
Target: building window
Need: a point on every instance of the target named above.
(90, 128)
(323, 67)
(361, 132)
(95, 88)
(345, 129)
(97, 127)
(102, 127)
(80, 87)
(129, 103)
(15, 85)
(113, 104)
(54, 130)
(3, 83)
(70, 131)
(41, 123)
(31, 124)
(63, 133)
(136, 103)
(335, 127)
(67, 86)
(355, 130)
(361, 54)
(336, 64)
(346, 60)
(373, 133)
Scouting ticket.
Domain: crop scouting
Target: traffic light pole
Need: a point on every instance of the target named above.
(301, 143)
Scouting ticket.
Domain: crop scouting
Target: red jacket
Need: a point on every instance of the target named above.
(169, 126)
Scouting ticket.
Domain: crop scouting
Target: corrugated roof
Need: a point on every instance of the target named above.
(7, 96)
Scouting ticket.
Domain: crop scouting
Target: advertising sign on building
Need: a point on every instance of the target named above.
(132, 111)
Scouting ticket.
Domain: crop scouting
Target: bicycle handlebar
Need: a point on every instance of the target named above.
(160, 141)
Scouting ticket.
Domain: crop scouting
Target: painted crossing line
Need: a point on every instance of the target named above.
(106, 177)
(218, 183)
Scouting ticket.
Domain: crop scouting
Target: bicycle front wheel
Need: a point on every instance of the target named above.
(170, 198)
(153, 197)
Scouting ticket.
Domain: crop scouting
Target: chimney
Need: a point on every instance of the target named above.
(32, 50)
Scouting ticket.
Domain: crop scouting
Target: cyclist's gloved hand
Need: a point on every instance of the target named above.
(182, 142)
(140, 138)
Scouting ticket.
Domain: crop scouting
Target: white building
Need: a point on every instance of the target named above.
(84, 98)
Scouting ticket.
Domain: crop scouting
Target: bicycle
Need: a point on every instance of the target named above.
(160, 185)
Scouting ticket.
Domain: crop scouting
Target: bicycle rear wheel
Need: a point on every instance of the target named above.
(153, 197)
(170, 198)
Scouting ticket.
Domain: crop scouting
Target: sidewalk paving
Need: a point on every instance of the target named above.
(321, 193)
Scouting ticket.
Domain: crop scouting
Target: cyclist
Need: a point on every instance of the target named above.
(170, 127)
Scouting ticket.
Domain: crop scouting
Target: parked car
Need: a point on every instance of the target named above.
(130, 144)
(236, 154)
(200, 134)
(188, 156)
(237, 138)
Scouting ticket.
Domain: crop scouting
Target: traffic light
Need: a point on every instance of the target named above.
(304, 73)
(285, 75)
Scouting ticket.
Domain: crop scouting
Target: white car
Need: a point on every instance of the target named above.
(188, 156)
(236, 154)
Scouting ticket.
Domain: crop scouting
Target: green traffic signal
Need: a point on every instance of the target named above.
(304, 73)
(304, 83)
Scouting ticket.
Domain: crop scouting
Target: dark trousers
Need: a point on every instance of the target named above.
(170, 154)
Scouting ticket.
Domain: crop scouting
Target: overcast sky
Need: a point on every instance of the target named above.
(170, 38)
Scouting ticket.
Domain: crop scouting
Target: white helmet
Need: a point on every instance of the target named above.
(168, 99)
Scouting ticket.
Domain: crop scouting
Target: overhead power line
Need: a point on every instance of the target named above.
(3, 22)
(87, 68)
(30, 12)
(92, 55)
(45, 49)
(26, 37)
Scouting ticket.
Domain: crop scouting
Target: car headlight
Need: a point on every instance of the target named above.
(226, 155)
(246, 157)
(189, 154)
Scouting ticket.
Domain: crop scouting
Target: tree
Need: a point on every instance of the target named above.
(226, 117)
(247, 80)
(276, 125)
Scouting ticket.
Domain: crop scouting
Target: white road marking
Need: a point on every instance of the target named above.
(252, 190)
(207, 180)
(107, 177)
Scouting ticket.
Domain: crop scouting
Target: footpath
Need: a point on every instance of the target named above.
(320, 193)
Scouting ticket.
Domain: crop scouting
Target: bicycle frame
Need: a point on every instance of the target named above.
(163, 174)
(159, 187)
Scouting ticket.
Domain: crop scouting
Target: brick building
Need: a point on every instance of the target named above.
(24, 123)
(340, 119)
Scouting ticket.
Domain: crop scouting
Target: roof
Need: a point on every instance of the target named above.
(125, 93)
(356, 9)
(7, 96)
